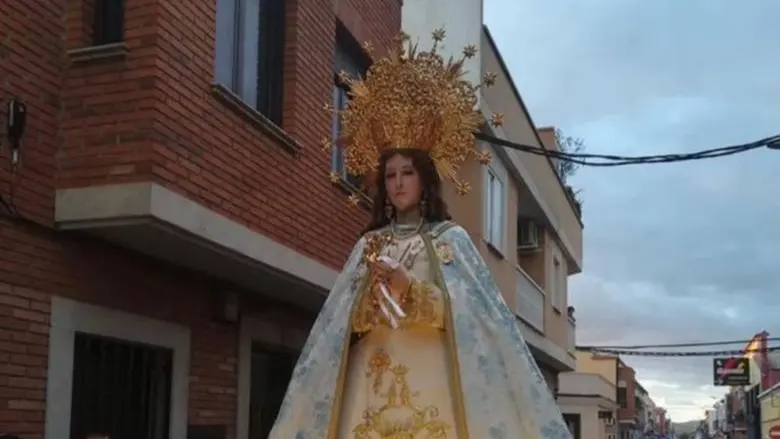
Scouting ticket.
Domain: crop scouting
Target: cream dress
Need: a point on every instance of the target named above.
(399, 382)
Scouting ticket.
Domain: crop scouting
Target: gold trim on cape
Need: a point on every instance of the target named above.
(335, 409)
(449, 333)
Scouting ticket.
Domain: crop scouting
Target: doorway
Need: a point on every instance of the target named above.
(271, 370)
(574, 423)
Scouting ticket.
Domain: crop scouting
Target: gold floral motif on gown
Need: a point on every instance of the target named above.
(399, 382)
(399, 417)
(420, 304)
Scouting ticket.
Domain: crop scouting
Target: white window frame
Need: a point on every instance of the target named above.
(68, 317)
(235, 64)
(237, 57)
(495, 204)
(557, 278)
(556, 283)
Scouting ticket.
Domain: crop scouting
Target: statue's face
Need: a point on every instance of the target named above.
(403, 184)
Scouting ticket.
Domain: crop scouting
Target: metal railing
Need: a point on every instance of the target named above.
(530, 301)
(572, 336)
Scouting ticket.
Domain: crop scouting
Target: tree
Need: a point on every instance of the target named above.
(568, 144)
(566, 168)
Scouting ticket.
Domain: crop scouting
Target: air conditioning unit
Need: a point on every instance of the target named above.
(527, 235)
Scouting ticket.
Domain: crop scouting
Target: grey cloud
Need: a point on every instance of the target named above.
(679, 252)
(611, 55)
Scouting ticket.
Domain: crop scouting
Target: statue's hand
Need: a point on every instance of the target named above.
(394, 275)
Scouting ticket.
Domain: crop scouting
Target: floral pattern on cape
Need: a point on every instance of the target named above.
(500, 379)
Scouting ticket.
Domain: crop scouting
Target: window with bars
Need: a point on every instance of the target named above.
(121, 389)
(250, 53)
(108, 22)
(350, 58)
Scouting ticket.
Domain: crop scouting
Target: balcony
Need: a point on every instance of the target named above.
(531, 310)
(587, 385)
(530, 301)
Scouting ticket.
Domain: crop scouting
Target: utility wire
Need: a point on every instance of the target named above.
(602, 160)
(675, 345)
(725, 353)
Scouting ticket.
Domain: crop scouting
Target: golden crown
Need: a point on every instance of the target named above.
(412, 99)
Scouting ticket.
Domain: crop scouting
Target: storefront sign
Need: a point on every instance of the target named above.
(733, 371)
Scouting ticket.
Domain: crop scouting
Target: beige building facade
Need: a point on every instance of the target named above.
(588, 397)
(525, 222)
(587, 401)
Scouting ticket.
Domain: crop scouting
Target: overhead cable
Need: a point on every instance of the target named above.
(676, 345)
(603, 160)
(635, 353)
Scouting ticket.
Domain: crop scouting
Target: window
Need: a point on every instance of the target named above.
(103, 350)
(271, 371)
(121, 389)
(495, 206)
(108, 22)
(250, 52)
(557, 289)
(349, 57)
(340, 99)
(622, 397)
(557, 279)
(573, 421)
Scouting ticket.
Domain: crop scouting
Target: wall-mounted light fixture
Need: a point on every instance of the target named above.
(15, 125)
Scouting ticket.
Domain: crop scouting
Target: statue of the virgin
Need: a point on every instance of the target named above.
(415, 340)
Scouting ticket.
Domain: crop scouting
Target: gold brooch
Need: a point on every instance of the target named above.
(444, 252)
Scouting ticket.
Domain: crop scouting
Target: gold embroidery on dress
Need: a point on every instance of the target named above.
(398, 417)
(419, 305)
(366, 315)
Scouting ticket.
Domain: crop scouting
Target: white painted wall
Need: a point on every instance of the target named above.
(462, 19)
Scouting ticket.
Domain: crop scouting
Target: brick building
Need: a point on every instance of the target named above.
(175, 231)
(626, 398)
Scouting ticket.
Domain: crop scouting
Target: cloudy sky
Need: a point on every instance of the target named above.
(678, 252)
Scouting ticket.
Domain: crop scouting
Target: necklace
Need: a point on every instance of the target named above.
(399, 236)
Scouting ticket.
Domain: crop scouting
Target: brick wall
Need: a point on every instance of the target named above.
(151, 115)
(627, 375)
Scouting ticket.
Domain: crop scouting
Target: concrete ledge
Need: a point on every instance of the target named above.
(545, 351)
(566, 399)
(154, 220)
